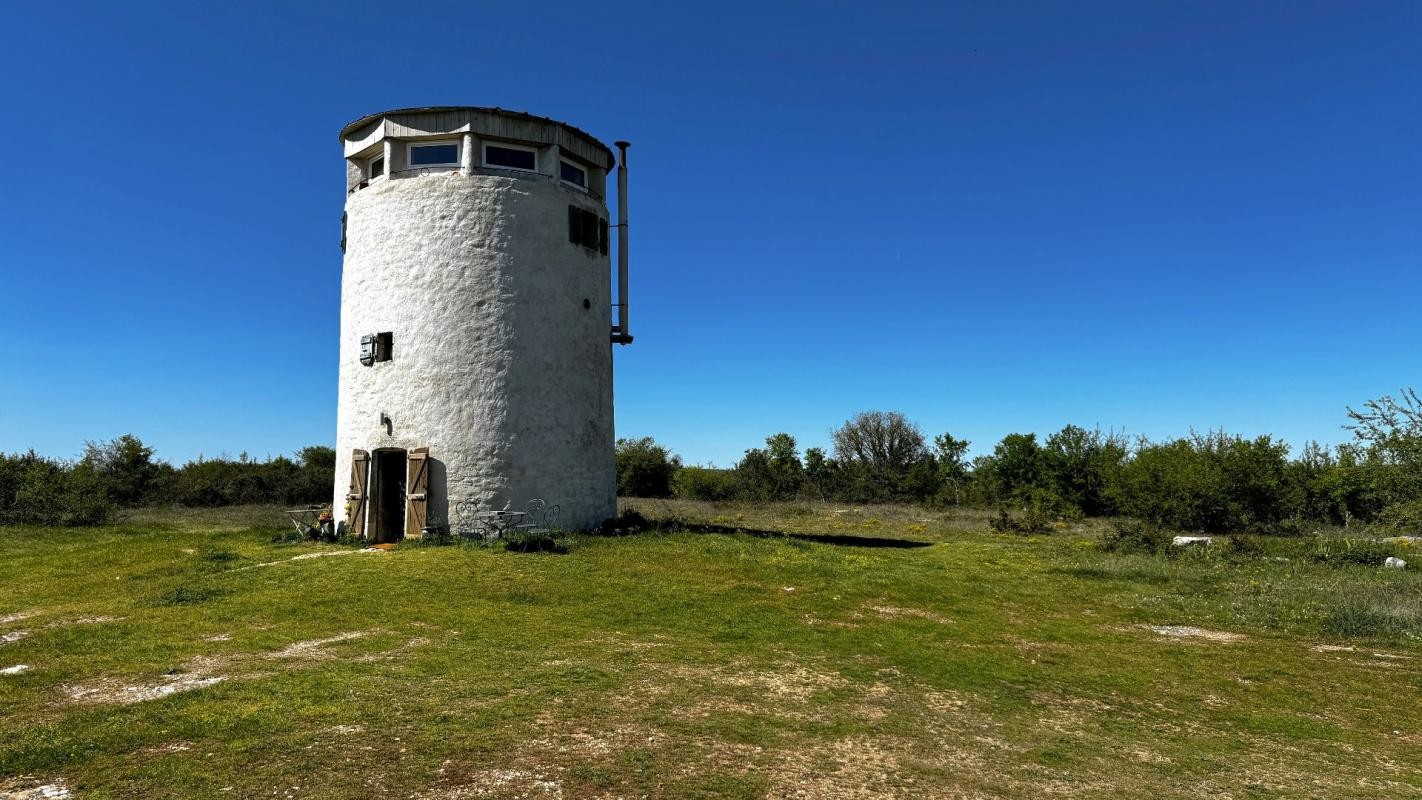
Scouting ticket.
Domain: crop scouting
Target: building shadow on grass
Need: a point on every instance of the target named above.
(838, 539)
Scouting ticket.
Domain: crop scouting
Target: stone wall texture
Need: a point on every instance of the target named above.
(498, 367)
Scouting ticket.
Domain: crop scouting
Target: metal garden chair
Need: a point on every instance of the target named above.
(467, 512)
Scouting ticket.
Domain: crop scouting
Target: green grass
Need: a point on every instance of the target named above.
(877, 652)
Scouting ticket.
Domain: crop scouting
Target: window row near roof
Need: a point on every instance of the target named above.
(500, 155)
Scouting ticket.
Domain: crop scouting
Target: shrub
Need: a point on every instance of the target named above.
(774, 473)
(1082, 466)
(1030, 521)
(226, 481)
(1013, 471)
(644, 468)
(1338, 551)
(126, 466)
(1129, 535)
(1403, 516)
(1244, 547)
(35, 490)
(706, 483)
(1212, 482)
(1389, 432)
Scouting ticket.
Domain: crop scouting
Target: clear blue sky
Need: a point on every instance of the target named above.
(991, 216)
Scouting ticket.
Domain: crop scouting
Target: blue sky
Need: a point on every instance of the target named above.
(993, 217)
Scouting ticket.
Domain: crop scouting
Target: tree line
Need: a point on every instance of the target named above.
(123, 473)
(1212, 482)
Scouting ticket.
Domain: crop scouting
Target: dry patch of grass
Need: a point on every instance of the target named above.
(202, 671)
(1192, 632)
(895, 612)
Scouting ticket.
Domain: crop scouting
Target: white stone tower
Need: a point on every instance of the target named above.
(476, 319)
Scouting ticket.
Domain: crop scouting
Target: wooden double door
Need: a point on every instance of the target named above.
(389, 494)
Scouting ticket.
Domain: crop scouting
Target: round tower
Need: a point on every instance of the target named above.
(476, 320)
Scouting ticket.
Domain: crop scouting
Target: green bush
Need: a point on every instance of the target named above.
(644, 468)
(1213, 482)
(126, 467)
(1405, 515)
(1244, 546)
(1339, 551)
(1129, 535)
(706, 483)
(226, 481)
(1389, 436)
(1031, 520)
(774, 473)
(35, 490)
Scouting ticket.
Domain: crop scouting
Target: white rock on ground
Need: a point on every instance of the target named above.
(1186, 541)
(15, 670)
(1395, 563)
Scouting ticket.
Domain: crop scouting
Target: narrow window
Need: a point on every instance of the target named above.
(343, 232)
(377, 168)
(602, 236)
(438, 154)
(573, 174)
(511, 156)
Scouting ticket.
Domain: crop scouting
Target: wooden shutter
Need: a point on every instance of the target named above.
(355, 499)
(590, 221)
(417, 487)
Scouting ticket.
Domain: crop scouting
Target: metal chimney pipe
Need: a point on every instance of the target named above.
(623, 337)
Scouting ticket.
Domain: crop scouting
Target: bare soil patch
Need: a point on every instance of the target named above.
(1191, 632)
(28, 788)
(111, 692)
(206, 670)
(321, 554)
(896, 612)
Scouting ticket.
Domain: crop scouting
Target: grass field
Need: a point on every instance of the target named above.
(828, 652)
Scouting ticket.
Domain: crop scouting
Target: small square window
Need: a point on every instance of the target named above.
(438, 154)
(573, 174)
(376, 347)
(377, 168)
(511, 156)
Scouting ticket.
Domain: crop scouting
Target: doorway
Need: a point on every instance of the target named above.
(387, 497)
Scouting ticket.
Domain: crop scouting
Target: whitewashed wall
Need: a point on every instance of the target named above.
(498, 368)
